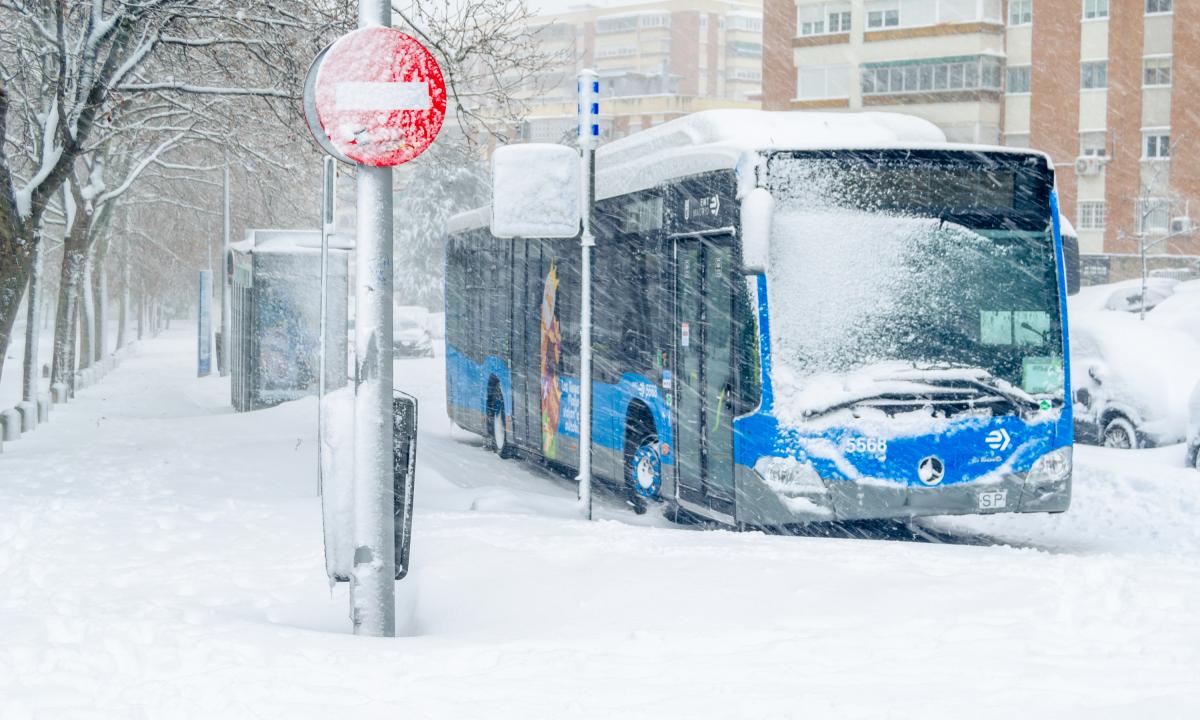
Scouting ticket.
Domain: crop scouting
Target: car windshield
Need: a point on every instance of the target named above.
(926, 265)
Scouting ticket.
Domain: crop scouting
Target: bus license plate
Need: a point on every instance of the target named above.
(993, 500)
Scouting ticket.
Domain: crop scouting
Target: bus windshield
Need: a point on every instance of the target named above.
(889, 267)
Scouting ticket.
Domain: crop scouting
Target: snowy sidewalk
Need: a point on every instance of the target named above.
(160, 557)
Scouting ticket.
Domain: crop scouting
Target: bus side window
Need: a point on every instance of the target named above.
(748, 369)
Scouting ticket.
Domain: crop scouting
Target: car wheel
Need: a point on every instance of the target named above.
(643, 472)
(1119, 433)
(1194, 460)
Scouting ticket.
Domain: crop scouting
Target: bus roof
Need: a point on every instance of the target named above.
(719, 139)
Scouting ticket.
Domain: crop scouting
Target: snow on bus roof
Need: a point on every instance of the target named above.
(719, 139)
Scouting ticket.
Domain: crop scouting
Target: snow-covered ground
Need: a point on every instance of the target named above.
(160, 556)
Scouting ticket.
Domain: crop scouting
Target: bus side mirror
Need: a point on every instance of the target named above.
(536, 191)
(1071, 262)
(758, 207)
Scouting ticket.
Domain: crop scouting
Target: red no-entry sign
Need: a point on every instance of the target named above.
(379, 97)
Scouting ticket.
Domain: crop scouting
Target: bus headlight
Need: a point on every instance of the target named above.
(789, 475)
(1053, 468)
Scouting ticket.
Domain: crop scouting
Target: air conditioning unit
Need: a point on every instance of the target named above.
(1088, 165)
(1181, 225)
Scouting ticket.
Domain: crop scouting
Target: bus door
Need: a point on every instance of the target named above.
(704, 370)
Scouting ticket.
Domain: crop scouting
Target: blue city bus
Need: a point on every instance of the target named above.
(798, 317)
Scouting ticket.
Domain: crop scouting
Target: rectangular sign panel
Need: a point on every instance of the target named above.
(204, 326)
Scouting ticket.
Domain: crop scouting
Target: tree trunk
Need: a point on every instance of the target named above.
(123, 311)
(33, 327)
(16, 258)
(99, 291)
(66, 318)
(87, 314)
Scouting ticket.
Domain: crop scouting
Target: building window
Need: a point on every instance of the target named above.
(1093, 144)
(1093, 75)
(747, 75)
(738, 21)
(616, 24)
(821, 82)
(823, 18)
(1156, 71)
(1153, 215)
(1091, 215)
(883, 14)
(1095, 9)
(655, 20)
(741, 47)
(1018, 79)
(1020, 12)
(972, 72)
(1155, 7)
(1156, 145)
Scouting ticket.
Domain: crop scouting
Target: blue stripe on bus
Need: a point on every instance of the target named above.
(467, 388)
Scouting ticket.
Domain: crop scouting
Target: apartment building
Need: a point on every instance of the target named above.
(940, 59)
(656, 61)
(1109, 88)
(1113, 99)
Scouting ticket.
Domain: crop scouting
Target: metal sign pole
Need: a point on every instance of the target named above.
(226, 292)
(327, 214)
(373, 584)
(589, 135)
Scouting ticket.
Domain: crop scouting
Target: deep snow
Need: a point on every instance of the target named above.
(160, 556)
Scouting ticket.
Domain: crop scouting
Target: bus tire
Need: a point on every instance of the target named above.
(643, 471)
(497, 427)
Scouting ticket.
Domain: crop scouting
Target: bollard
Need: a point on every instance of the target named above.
(29, 415)
(10, 424)
(59, 392)
(43, 406)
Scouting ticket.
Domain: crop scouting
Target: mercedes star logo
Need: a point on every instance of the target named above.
(931, 470)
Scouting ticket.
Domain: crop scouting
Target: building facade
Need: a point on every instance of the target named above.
(1107, 87)
(656, 61)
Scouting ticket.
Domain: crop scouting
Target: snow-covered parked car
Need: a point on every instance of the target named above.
(1130, 380)
(1193, 446)
(410, 332)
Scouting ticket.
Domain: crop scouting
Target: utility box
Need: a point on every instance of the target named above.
(275, 327)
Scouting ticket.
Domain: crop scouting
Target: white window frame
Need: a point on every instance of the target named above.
(1095, 9)
(1028, 81)
(1160, 139)
(1021, 18)
(1090, 215)
(1170, 7)
(1170, 70)
(882, 8)
(1103, 62)
(1156, 204)
(1085, 151)
(828, 9)
(827, 71)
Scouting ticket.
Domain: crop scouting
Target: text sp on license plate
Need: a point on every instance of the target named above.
(992, 499)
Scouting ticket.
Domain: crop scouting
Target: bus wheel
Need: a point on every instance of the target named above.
(498, 429)
(643, 473)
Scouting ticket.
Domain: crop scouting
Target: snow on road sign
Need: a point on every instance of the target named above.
(380, 97)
